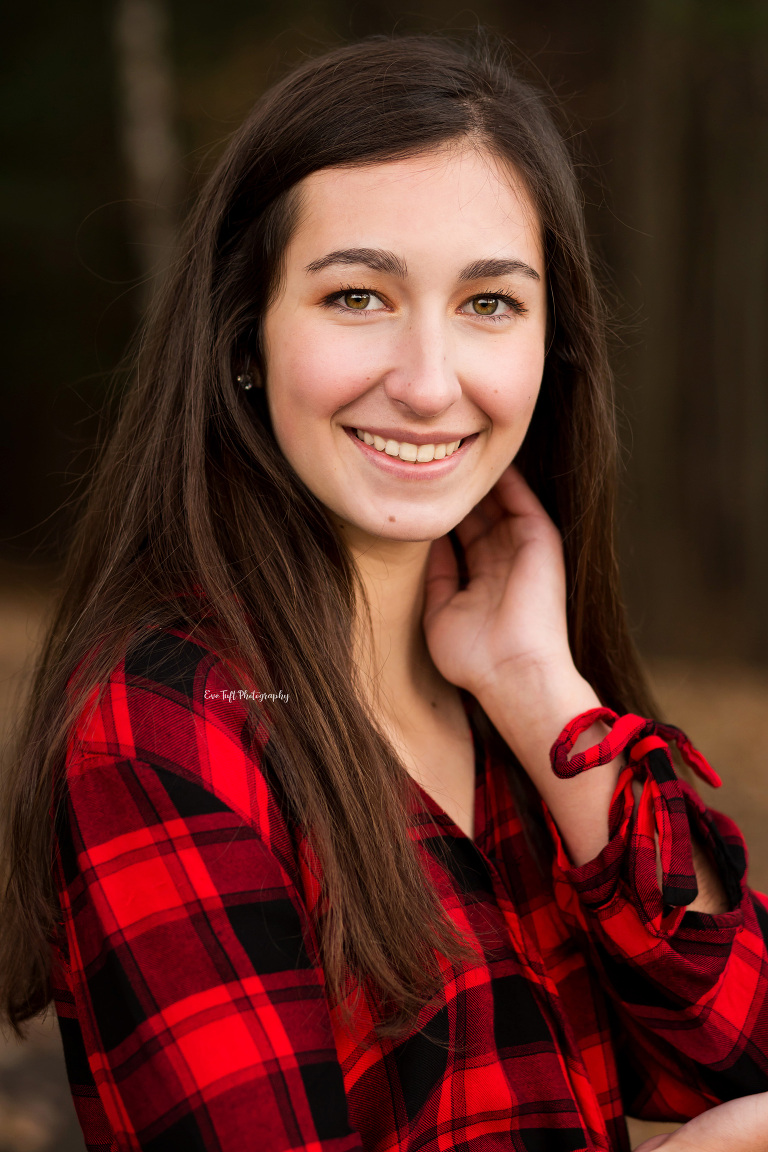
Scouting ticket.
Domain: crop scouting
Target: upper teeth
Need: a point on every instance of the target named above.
(411, 452)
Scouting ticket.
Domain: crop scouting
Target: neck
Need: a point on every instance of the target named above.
(392, 655)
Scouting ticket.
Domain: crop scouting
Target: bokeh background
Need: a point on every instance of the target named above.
(111, 115)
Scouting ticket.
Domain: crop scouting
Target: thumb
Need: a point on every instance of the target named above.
(442, 577)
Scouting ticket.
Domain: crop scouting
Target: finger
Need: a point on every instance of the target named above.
(442, 578)
(482, 519)
(510, 495)
(650, 1145)
(516, 494)
(476, 524)
(738, 1124)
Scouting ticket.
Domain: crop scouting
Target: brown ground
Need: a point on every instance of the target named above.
(723, 710)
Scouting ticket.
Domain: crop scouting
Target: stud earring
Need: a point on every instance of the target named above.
(245, 380)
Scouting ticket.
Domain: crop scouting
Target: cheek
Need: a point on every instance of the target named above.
(509, 382)
(311, 378)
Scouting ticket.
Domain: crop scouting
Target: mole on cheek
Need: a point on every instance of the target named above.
(392, 519)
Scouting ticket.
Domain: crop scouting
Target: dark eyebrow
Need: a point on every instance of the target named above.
(381, 261)
(375, 258)
(484, 268)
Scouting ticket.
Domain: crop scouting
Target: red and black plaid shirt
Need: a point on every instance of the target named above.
(191, 999)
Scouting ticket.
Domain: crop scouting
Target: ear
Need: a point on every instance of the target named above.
(246, 365)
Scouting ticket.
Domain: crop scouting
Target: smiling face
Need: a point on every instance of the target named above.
(411, 318)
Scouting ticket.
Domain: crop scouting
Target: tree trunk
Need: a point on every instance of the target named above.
(148, 139)
(696, 195)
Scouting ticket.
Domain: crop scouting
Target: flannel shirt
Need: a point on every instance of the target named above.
(190, 995)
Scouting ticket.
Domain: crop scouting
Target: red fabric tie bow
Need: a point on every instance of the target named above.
(646, 743)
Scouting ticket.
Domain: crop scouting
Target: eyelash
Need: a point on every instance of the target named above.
(516, 306)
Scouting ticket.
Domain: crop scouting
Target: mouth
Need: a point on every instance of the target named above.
(404, 458)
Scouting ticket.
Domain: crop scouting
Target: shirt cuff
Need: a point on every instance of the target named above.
(624, 873)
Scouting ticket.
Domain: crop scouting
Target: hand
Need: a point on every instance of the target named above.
(504, 638)
(737, 1126)
(511, 616)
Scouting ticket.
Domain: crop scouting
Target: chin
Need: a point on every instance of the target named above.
(411, 526)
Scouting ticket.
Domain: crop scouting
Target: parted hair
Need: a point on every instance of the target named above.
(194, 518)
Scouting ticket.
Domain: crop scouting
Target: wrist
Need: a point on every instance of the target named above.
(530, 715)
(531, 708)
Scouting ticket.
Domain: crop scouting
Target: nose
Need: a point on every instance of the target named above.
(423, 378)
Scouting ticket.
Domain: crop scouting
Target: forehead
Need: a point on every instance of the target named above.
(455, 203)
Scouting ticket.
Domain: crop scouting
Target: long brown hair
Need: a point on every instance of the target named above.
(192, 495)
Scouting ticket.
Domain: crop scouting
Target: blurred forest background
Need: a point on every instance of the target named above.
(112, 114)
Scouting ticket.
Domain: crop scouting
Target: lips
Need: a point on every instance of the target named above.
(394, 463)
(408, 450)
(418, 438)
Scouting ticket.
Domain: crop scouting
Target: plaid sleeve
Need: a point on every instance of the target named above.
(195, 976)
(690, 989)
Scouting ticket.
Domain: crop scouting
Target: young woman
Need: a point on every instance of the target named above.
(339, 822)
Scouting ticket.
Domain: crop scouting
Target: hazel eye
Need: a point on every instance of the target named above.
(358, 300)
(485, 305)
(354, 300)
(493, 305)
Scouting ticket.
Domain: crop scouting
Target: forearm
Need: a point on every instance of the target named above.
(530, 712)
(740, 1125)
